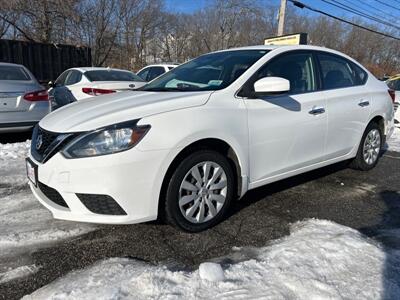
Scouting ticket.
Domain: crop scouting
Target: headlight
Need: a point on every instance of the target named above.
(108, 140)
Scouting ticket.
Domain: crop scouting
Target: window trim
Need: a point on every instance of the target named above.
(351, 64)
(317, 77)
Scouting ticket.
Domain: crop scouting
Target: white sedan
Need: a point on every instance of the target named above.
(90, 81)
(200, 136)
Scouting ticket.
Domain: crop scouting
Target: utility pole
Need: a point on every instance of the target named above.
(281, 22)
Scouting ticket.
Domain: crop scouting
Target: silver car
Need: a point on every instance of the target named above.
(23, 101)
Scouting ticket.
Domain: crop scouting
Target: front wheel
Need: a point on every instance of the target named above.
(369, 149)
(200, 191)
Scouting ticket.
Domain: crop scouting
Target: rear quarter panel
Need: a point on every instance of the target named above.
(381, 104)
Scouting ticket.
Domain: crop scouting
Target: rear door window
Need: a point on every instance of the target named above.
(61, 79)
(111, 75)
(73, 77)
(144, 73)
(155, 72)
(13, 73)
(338, 72)
(359, 74)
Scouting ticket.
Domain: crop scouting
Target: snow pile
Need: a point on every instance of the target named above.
(18, 273)
(319, 260)
(211, 272)
(14, 150)
(12, 163)
(393, 144)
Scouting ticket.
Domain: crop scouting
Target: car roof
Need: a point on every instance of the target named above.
(86, 69)
(285, 47)
(162, 65)
(10, 64)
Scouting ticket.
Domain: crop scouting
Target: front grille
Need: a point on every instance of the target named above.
(101, 204)
(52, 194)
(46, 144)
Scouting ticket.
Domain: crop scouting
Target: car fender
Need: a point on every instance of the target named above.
(189, 129)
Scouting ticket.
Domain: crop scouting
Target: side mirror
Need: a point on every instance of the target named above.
(51, 84)
(271, 85)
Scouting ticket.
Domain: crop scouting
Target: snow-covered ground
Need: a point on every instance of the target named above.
(318, 260)
(24, 224)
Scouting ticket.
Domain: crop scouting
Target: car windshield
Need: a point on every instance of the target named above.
(111, 75)
(13, 73)
(208, 72)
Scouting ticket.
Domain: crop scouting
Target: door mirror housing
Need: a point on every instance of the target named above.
(271, 85)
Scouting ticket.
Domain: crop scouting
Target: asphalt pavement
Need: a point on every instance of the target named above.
(367, 201)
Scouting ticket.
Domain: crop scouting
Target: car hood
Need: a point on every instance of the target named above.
(109, 109)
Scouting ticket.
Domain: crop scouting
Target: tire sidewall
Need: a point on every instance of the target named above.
(173, 211)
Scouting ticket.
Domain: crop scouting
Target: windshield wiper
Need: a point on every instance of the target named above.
(172, 89)
(161, 89)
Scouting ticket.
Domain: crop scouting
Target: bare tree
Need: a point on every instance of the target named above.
(133, 33)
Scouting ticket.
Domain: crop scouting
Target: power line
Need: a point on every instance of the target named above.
(302, 5)
(372, 9)
(388, 5)
(356, 12)
(360, 10)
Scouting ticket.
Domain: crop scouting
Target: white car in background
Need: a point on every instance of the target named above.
(200, 136)
(151, 72)
(90, 81)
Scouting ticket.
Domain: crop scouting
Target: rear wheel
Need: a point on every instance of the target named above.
(369, 149)
(200, 191)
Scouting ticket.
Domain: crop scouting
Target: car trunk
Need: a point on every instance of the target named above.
(11, 95)
(118, 85)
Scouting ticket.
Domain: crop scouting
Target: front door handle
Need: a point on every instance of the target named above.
(363, 103)
(317, 111)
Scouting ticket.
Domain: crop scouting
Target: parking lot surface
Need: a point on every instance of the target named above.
(366, 201)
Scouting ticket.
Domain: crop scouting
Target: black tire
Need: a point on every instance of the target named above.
(359, 163)
(173, 213)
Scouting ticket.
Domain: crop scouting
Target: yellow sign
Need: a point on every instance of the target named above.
(292, 39)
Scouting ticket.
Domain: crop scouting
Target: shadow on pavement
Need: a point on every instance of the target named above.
(15, 137)
(262, 192)
(387, 232)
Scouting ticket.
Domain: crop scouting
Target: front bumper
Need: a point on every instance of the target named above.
(131, 178)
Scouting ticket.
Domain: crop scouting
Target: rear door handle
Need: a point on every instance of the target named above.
(363, 103)
(317, 111)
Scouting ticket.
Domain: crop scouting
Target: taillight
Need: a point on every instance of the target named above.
(392, 94)
(96, 92)
(37, 96)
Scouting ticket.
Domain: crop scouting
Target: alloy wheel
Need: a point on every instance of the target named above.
(372, 146)
(203, 191)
